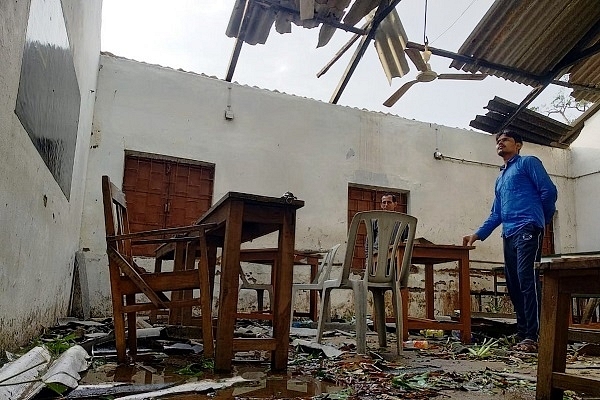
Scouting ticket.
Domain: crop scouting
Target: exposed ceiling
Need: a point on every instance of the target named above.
(533, 42)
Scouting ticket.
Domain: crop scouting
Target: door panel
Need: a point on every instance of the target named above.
(164, 192)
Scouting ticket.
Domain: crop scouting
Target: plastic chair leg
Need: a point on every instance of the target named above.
(323, 313)
(398, 315)
(360, 310)
(379, 305)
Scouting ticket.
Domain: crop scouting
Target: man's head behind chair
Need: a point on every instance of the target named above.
(388, 202)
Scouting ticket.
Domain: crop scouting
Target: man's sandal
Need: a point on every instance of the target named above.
(526, 346)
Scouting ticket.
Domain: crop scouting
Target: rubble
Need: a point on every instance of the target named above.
(170, 364)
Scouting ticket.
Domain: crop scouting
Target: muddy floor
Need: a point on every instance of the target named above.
(445, 368)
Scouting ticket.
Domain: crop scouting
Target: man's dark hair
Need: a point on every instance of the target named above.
(510, 133)
(393, 197)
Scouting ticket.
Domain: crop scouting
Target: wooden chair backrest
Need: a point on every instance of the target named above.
(116, 220)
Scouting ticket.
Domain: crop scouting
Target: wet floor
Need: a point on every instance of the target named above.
(153, 369)
(445, 368)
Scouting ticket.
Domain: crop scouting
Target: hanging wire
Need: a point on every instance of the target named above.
(425, 40)
(454, 23)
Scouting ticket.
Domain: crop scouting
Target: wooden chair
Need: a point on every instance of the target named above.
(127, 279)
(379, 276)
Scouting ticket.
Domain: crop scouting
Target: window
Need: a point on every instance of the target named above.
(164, 192)
(365, 199)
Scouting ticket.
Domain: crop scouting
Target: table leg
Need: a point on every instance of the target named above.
(229, 286)
(429, 292)
(464, 298)
(553, 338)
(284, 275)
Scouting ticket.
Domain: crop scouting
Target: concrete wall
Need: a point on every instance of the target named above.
(40, 228)
(277, 143)
(586, 173)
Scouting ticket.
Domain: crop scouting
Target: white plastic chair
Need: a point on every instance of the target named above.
(379, 277)
(323, 274)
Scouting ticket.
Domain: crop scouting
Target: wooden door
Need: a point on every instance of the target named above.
(164, 192)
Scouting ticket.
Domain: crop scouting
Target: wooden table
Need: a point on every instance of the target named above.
(301, 257)
(563, 277)
(429, 255)
(241, 217)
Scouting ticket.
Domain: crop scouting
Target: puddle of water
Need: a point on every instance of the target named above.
(262, 383)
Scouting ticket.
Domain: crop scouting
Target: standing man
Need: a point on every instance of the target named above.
(524, 203)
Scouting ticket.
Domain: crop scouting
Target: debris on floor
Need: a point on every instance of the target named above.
(170, 364)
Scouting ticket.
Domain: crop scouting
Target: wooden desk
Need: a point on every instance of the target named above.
(429, 255)
(242, 217)
(561, 278)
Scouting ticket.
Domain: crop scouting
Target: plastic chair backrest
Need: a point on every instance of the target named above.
(391, 226)
(324, 269)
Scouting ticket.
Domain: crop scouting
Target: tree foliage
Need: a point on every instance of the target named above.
(564, 106)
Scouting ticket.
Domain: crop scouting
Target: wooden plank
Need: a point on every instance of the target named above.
(168, 305)
(163, 281)
(243, 344)
(135, 277)
(584, 335)
(576, 383)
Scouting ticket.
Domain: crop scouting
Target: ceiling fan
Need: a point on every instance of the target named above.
(426, 74)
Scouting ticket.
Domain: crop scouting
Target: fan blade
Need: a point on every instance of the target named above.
(399, 93)
(417, 59)
(463, 77)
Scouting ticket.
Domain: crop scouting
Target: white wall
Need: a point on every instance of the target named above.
(39, 239)
(278, 143)
(586, 171)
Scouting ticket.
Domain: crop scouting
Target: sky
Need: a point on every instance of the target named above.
(190, 34)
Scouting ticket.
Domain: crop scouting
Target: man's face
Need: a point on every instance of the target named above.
(506, 146)
(387, 203)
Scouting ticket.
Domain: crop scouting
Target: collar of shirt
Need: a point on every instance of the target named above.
(512, 159)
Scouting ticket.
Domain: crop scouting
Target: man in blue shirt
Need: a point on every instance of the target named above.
(524, 203)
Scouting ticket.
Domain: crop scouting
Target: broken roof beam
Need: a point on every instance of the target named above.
(578, 52)
(475, 61)
(239, 41)
(382, 11)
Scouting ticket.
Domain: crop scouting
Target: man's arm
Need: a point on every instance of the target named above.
(544, 185)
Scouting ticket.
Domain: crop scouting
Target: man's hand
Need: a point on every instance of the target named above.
(470, 239)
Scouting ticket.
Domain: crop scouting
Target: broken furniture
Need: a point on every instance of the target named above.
(323, 273)
(128, 280)
(429, 255)
(240, 218)
(378, 277)
(562, 277)
(259, 288)
(268, 256)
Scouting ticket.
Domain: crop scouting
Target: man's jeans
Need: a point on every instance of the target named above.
(521, 250)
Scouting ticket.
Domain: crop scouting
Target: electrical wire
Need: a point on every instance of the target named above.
(454, 23)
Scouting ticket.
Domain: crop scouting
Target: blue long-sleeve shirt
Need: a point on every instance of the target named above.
(524, 194)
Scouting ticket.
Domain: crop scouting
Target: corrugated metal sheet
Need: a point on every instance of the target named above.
(252, 20)
(538, 37)
(532, 126)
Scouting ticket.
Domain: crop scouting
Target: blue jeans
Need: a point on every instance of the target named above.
(521, 251)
